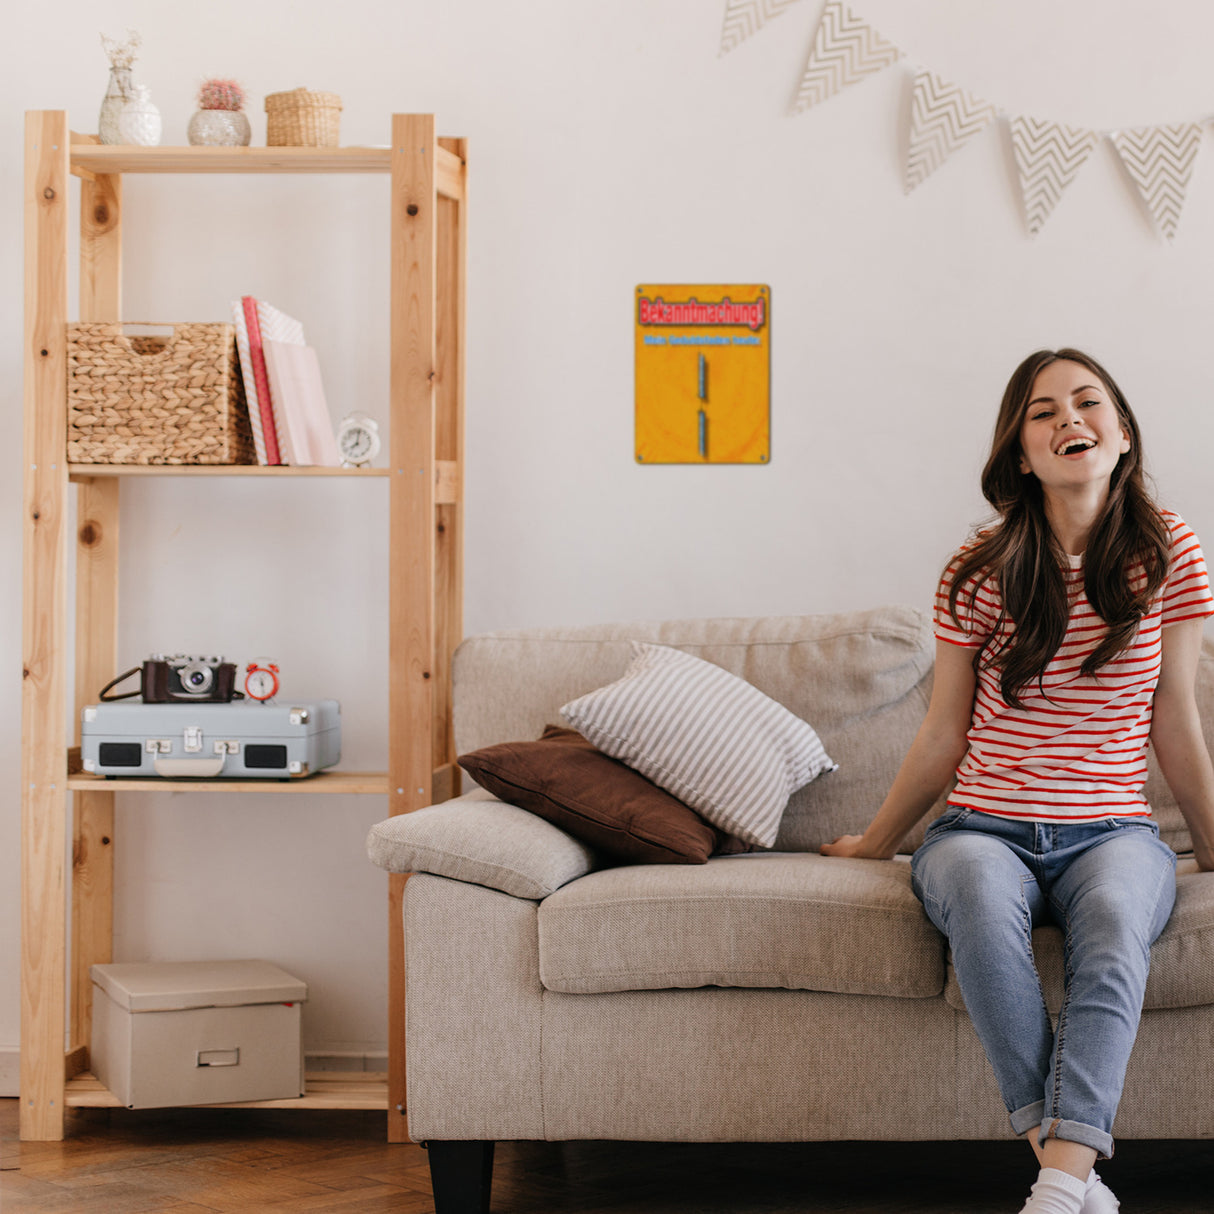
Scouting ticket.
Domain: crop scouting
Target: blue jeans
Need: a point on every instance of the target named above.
(986, 882)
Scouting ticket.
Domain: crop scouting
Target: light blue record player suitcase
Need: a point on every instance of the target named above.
(238, 739)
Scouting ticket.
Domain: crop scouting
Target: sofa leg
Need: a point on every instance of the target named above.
(461, 1174)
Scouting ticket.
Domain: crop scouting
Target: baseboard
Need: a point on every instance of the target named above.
(343, 1060)
(10, 1071)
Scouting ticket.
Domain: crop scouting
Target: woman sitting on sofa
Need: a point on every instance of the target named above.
(1068, 635)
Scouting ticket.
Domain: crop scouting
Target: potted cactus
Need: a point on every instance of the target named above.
(220, 120)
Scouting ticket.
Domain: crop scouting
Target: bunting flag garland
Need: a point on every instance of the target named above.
(944, 117)
(746, 17)
(1049, 157)
(1160, 160)
(846, 49)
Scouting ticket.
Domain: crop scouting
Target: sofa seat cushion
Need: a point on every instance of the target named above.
(1182, 959)
(792, 921)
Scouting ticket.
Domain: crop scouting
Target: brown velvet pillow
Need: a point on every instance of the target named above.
(599, 800)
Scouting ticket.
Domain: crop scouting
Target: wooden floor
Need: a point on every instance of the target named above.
(196, 1161)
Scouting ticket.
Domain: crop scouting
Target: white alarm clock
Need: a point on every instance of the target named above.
(357, 440)
(261, 681)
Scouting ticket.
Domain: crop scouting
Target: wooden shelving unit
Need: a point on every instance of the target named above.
(426, 231)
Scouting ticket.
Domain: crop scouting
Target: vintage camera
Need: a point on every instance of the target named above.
(182, 677)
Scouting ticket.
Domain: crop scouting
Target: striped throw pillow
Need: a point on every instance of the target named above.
(709, 738)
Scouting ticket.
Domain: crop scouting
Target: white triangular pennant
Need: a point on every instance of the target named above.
(746, 17)
(1160, 160)
(943, 118)
(1049, 156)
(846, 49)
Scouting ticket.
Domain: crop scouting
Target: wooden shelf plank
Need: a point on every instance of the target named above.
(447, 474)
(124, 158)
(79, 472)
(96, 158)
(324, 1090)
(331, 782)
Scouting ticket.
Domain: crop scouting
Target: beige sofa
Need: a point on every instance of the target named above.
(766, 996)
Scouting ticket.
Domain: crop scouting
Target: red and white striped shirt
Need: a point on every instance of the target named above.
(1076, 753)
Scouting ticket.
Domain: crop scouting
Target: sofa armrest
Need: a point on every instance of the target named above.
(478, 839)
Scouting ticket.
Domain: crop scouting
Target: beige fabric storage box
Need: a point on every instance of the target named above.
(197, 1032)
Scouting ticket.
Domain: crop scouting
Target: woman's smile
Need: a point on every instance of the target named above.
(1071, 433)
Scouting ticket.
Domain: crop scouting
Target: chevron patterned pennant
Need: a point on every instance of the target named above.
(1048, 157)
(746, 17)
(944, 117)
(846, 49)
(1160, 160)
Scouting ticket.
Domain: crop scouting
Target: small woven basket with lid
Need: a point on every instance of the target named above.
(302, 119)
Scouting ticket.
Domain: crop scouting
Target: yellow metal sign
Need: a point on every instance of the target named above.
(703, 374)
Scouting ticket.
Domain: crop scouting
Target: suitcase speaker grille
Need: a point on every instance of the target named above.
(263, 756)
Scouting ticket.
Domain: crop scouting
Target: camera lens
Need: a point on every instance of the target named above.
(196, 678)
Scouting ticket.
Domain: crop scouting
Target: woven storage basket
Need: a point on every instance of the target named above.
(156, 400)
(302, 119)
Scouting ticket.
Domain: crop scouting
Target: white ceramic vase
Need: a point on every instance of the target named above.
(219, 128)
(139, 122)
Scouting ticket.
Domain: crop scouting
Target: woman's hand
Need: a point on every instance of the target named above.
(930, 763)
(846, 845)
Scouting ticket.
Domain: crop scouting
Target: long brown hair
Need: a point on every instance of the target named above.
(1022, 555)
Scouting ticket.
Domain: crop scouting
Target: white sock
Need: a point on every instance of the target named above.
(1056, 1192)
(1098, 1197)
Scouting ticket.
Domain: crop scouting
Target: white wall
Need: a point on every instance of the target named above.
(611, 146)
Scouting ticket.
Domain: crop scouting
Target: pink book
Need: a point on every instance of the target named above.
(305, 429)
(257, 360)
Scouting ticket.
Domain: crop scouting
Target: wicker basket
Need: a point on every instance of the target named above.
(156, 400)
(302, 119)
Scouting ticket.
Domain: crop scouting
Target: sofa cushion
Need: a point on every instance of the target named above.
(598, 799)
(706, 736)
(479, 839)
(798, 922)
(1182, 959)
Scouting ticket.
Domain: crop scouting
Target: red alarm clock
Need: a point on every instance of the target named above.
(261, 680)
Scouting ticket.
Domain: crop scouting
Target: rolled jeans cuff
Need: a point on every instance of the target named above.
(1075, 1131)
(1029, 1117)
